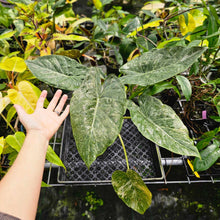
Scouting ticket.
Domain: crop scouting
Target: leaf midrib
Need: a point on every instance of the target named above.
(148, 119)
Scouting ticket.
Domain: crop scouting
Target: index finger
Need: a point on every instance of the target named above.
(40, 102)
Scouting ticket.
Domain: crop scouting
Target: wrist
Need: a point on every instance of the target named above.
(39, 135)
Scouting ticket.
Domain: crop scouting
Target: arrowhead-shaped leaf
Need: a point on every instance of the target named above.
(131, 189)
(158, 65)
(160, 124)
(58, 71)
(96, 112)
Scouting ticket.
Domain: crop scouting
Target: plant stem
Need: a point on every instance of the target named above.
(126, 157)
(7, 122)
(19, 43)
(148, 39)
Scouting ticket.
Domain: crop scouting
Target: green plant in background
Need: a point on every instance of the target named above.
(22, 92)
(41, 31)
(209, 150)
(92, 202)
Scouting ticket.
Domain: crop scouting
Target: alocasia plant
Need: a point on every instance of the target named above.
(99, 103)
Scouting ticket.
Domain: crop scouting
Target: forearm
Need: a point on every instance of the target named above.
(20, 188)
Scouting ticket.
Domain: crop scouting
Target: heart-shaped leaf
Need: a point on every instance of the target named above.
(58, 71)
(160, 124)
(131, 189)
(158, 65)
(96, 112)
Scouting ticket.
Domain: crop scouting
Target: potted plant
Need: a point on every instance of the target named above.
(99, 103)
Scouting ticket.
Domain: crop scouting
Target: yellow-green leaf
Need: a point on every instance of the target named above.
(195, 19)
(11, 113)
(4, 101)
(74, 37)
(162, 44)
(26, 95)
(98, 4)
(75, 24)
(7, 35)
(15, 64)
(2, 143)
(145, 26)
(43, 184)
(153, 6)
(52, 157)
(27, 31)
(131, 189)
(70, 1)
(16, 141)
(198, 17)
(186, 28)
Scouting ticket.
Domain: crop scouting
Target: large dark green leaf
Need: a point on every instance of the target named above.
(208, 157)
(160, 124)
(96, 112)
(158, 65)
(131, 189)
(58, 71)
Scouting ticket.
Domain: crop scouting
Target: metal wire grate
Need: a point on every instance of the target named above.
(156, 167)
(142, 156)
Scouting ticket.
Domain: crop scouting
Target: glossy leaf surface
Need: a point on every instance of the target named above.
(4, 101)
(131, 189)
(185, 86)
(160, 124)
(52, 157)
(16, 141)
(7, 35)
(208, 157)
(96, 112)
(73, 37)
(26, 95)
(58, 71)
(158, 65)
(15, 64)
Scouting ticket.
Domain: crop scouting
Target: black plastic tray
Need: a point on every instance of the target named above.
(143, 155)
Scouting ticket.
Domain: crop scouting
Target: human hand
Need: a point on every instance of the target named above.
(45, 122)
